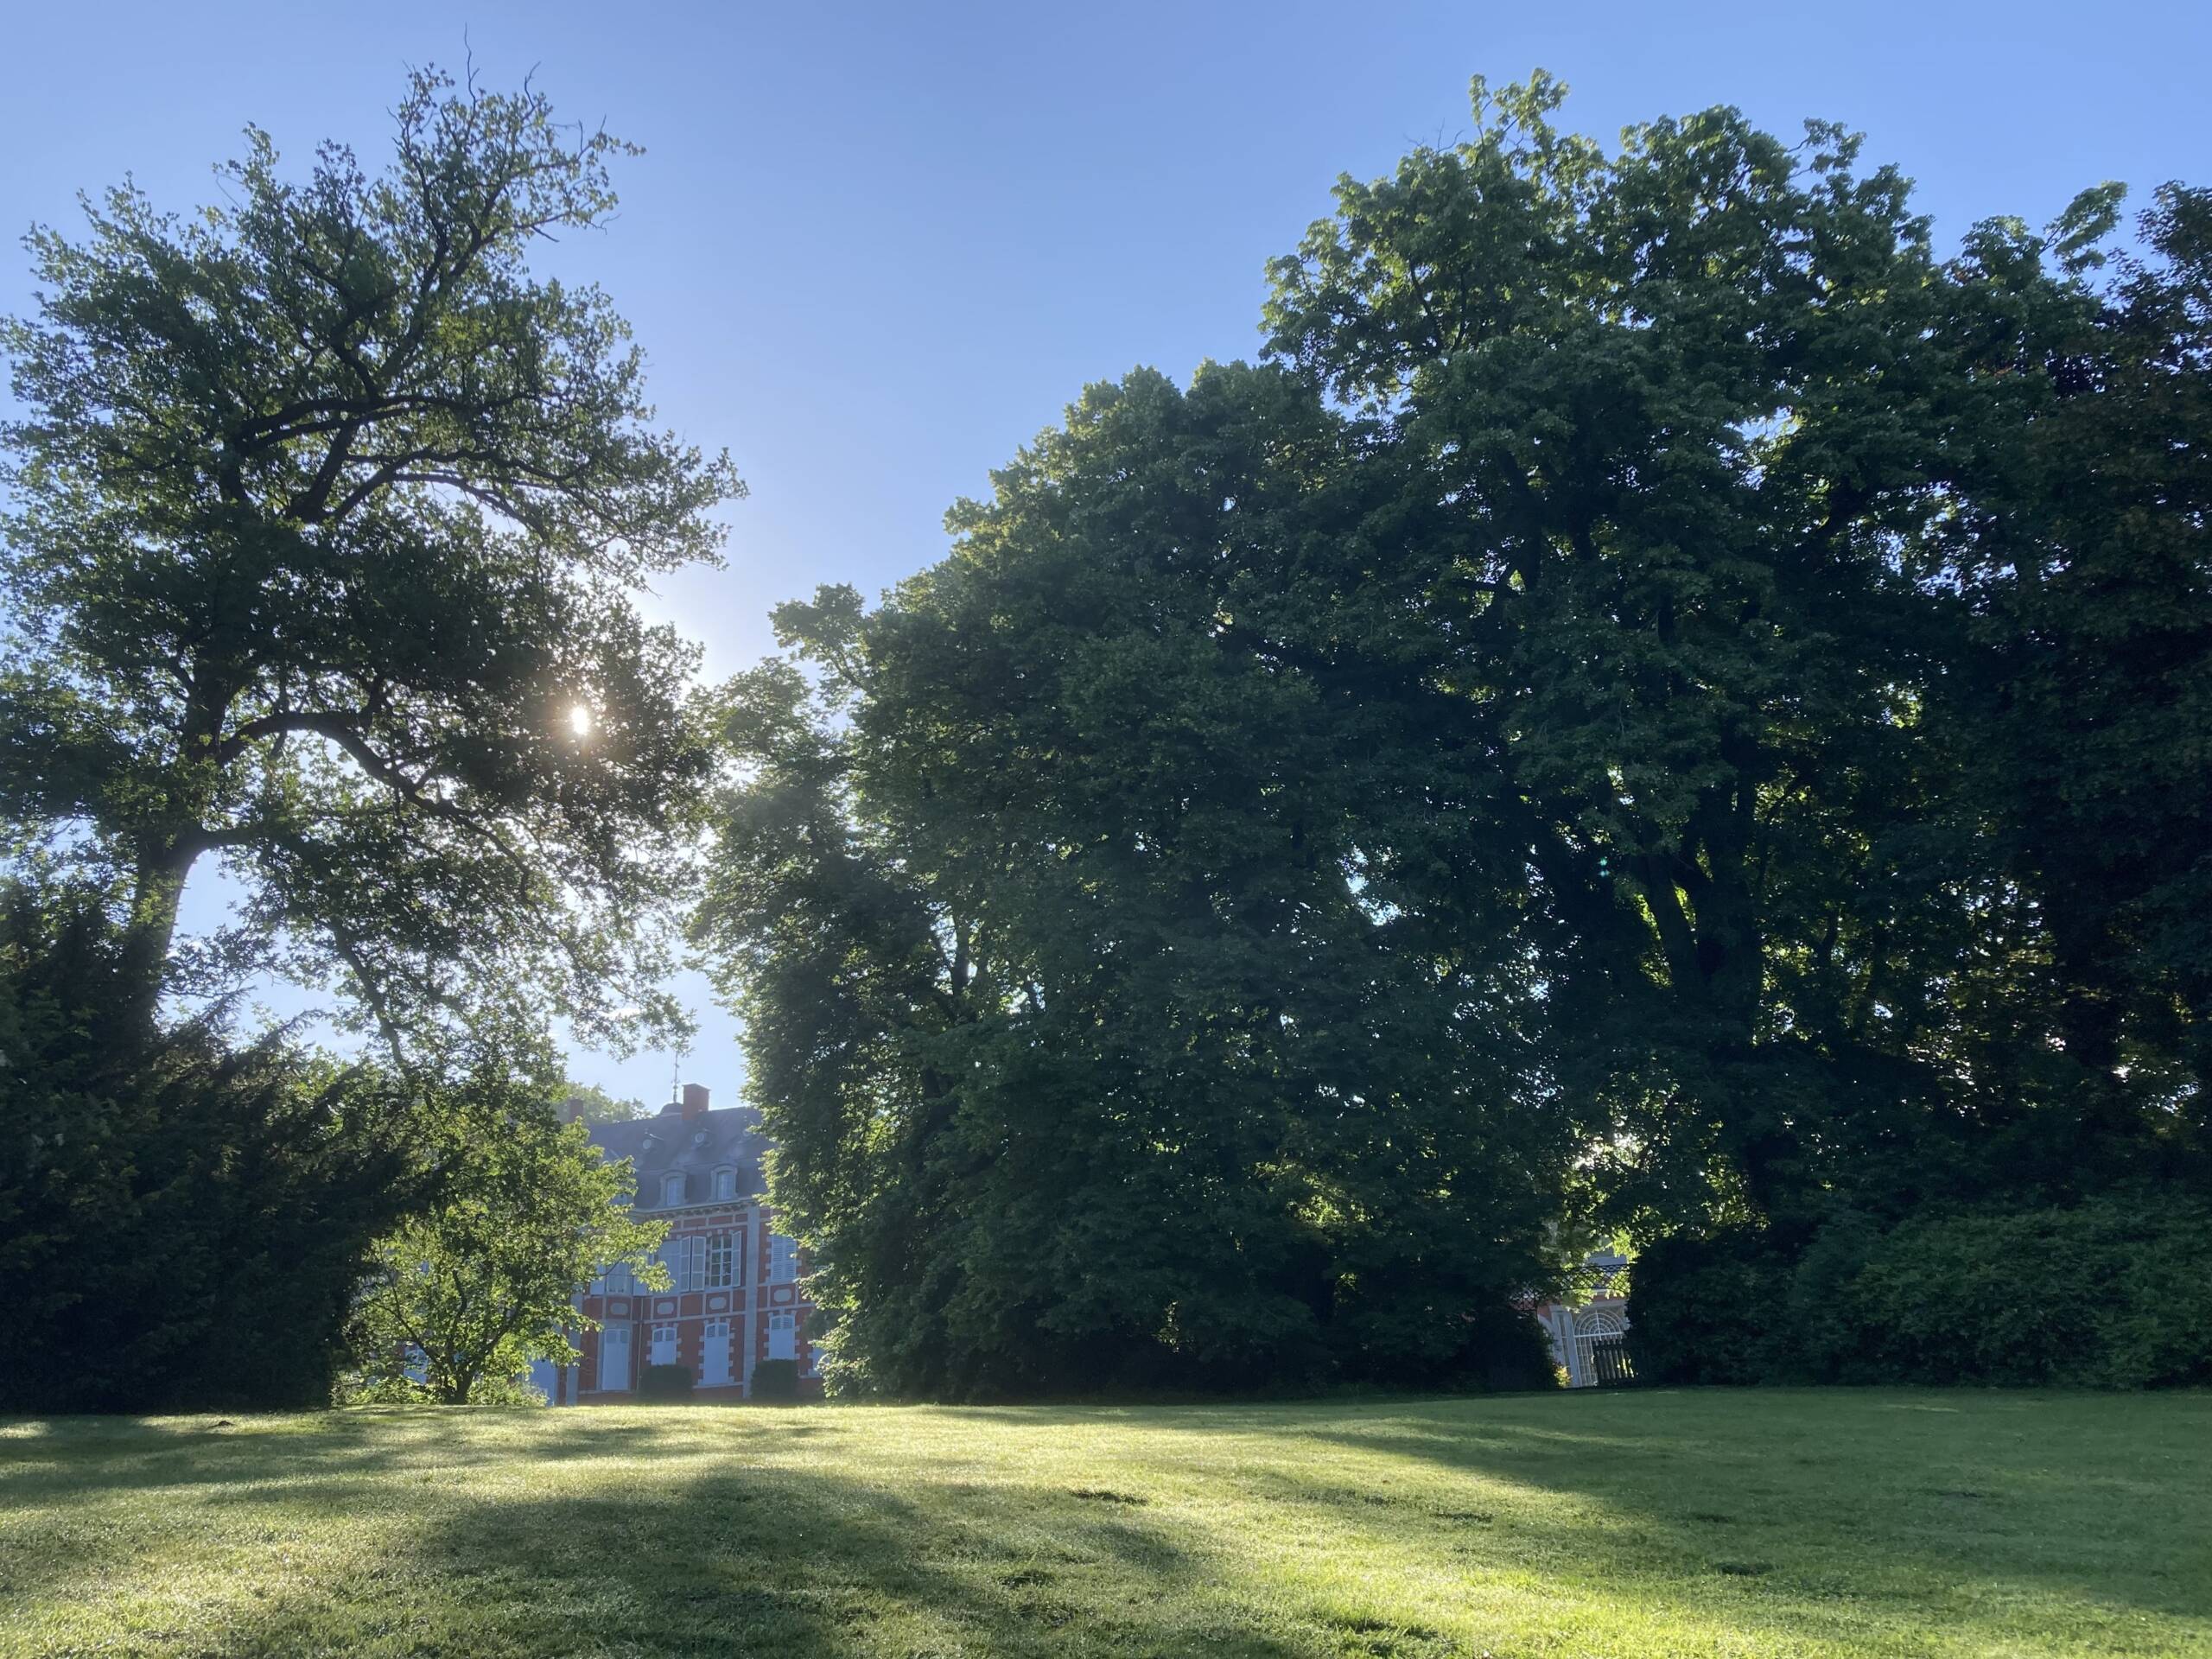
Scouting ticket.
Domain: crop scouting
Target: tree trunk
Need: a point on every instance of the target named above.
(157, 893)
(169, 846)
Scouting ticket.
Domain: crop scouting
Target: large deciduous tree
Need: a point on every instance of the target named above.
(2081, 700)
(1665, 416)
(1098, 1043)
(328, 517)
(1734, 493)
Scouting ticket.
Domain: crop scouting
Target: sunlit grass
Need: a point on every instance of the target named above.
(1618, 1524)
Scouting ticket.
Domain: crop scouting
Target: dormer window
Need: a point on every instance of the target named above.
(671, 1190)
(725, 1183)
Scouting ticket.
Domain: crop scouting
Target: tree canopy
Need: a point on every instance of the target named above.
(329, 517)
(587, 1103)
(1663, 701)
(482, 1282)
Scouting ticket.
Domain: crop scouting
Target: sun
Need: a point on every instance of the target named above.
(580, 720)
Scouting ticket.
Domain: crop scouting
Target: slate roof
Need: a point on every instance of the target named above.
(670, 1143)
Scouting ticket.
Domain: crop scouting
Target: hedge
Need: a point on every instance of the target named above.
(2113, 1293)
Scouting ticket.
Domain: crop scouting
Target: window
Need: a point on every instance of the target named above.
(617, 1280)
(783, 1334)
(725, 1183)
(686, 1261)
(663, 1350)
(671, 1190)
(721, 1261)
(783, 1260)
(714, 1354)
(614, 1356)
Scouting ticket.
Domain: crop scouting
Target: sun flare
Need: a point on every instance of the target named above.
(580, 721)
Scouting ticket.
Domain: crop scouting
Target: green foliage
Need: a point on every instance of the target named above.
(2107, 1293)
(382, 1389)
(328, 517)
(1790, 576)
(386, 1389)
(1099, 1074)
(1710, 1310)
(508, 1392)
(2111, 1293)
(183, 1222)
(2084, 692)
(774, 1379)
(482, 1281)
(664, 1382)
(1572, 733)
(592, 1104)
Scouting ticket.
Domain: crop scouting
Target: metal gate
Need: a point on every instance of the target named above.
(1598, 1354)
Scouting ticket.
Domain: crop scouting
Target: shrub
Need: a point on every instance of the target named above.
(508, 1391)
(394, 1389)
(1506, 1351)
(365, 1389)
(775, 1379)
(168, 1202)
(2111, 1292)
(1708, 1310)
(664, 1382)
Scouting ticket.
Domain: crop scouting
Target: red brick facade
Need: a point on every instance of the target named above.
(737, 1297)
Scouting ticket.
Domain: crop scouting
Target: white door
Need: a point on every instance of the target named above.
(714, 1362)
(664, 1345)
(783, 1335)
(614, 1356)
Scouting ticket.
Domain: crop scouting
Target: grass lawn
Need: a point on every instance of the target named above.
(1624, 1524)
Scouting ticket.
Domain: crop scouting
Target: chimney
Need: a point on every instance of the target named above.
(695, 1101)
(575, 1109)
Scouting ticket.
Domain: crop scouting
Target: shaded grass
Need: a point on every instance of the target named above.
(1641, 1524)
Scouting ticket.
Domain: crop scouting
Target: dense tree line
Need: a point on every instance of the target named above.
(1664, 703)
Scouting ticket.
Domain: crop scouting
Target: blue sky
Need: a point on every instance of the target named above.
(873, 249)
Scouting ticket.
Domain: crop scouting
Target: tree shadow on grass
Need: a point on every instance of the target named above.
(1768, 1516)
(85, 1498)
(1814, 1500)
(644, 1557)
(664, 1533)
(121, 1453)
(797, 1563)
